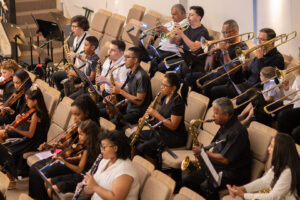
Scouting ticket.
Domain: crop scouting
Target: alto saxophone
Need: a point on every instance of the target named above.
(113, 97)
(187, 163)
(92, 171)
(67, 51)
(142, 122)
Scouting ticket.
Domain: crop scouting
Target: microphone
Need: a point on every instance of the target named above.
(213, 144)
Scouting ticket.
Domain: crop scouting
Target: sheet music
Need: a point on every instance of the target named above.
(210, 167)
(44, 154)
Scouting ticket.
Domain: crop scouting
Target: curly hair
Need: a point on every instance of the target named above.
(82, 22)
(10, 64)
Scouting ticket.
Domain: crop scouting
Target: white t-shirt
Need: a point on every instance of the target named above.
(165, 44)
(295, 87)
(119, 74)
(275, 93)
(120, 167)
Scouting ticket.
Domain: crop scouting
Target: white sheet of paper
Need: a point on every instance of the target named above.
(44, 154)
(210, 167)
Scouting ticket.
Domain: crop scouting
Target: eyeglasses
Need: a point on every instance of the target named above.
(164, 85)
(74, 26)
(105, 147)
(226, 32)
(126, 57)
(262, 39)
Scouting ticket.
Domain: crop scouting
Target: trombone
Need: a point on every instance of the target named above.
(205, 44)
(279, 74)
(242, 54)
(281, 99)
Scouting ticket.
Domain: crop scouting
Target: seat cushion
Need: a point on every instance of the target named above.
(154, 189)
(169, 161)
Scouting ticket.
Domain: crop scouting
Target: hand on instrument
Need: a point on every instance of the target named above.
(285, 84)
(236, 191)
(71, 54)
(179, 32)
(9, 128)
(223, 46)
(245, 65)
(90, 181)
(107, 98)
(196, 149)
(152, 112)
(115, 89)
(58, 158)
(72, 73)
(259, 53)
(18, 116)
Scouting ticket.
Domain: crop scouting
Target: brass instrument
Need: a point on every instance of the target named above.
(93, 95)
(242, 54)
(253, 92)
(142, 122)
(113, 97)
(281, 99)
(183, 27)
(205, 45)
(67, 50)
(264, 192)
(187, 163)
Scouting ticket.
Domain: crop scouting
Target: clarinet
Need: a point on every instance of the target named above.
(92, 171)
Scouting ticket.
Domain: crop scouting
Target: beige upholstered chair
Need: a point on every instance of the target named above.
(42, 84)
(113, 28)
(150, 19)
(126, 37)
(51, 97)
(24, 196)
(103, 51)
(107, 125)
(32, 76)
(156, 83)
(136, 12)
(214, 35)
(99, 23)
(187, 194)
(146, 66)
(4, 183)
(158, 186)
(144, 169)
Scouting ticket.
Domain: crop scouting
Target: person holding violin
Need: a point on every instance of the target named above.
(16, 103)
(88, 140)
(35, 135)
(9, 67)
(83, 108)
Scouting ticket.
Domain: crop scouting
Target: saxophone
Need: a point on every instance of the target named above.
(92, 171)
(113, 97)
(187, 163)
(67, 50)
(142, 122)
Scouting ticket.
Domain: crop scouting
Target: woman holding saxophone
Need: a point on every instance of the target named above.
(283, 178)
(171, 114)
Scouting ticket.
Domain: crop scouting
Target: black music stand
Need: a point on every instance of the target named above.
(53, 192)
(8, 162)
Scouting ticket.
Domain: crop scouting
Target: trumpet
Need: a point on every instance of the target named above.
(205, 45)
(187, 163)
(242, 54)
(253, 91)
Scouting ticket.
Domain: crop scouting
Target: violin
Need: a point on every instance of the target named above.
(5, 81)
(14, 97)
(23, 118)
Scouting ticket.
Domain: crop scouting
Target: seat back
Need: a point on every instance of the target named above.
(107, 125)
(210, 127)
(133, 23)
(150, 19)
(4, 182)
(144, 169)
(62, 113)
(99, 23)
(156, 82)
(136, 12)
(42, 84)
(103, 50)
(187, 194)
(260, 137)
(214, 35)
(24, 196)
(146, 66)
(32, 76)
(158, 186)
(50, 102)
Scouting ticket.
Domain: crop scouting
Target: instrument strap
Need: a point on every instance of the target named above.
(129, 76)
(78, 44)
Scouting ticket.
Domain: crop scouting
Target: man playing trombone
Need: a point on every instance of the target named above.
(219, 56)
(266, 56)
(165, 48)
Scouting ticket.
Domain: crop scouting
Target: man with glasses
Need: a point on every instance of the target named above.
(251, 72)
(115, 61)
(218, 56)
(139, 93)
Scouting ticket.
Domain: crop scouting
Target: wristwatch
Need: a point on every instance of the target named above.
(225, 52)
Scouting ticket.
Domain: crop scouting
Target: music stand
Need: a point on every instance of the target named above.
(50, 186)
(16, 36)
(8, 161)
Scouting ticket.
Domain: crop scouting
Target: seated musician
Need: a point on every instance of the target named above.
(8, 68)
(83, 108)
(232, 156)
(115, 62)
(251, 71)
(190, 39)
(88, 139)
(289, 117)
(282, 181)
(165, 47)
(219, 56)
(255, 107)
(139, 92)
(171, 113)
(79, 26)
(116, 177)
(36, 135)
(22, 83)
(88, 68)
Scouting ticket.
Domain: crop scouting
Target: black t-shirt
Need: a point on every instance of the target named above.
(139, 82)
(236, 148)
(8, 89)
(175, 107)
(273, 58)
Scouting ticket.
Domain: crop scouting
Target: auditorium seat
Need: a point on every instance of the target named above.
(132, 24)
(4, 183)
(113, 28)
(158, 186)
(106, 125)
(146, 66)
(32, 76)
(24, 196)
(196, 109)
(143, 168)
(156, 82)
(99, 23)
(136, 12)
(42, 84)
(150, 18)
(187, 194)
(103, 51)
(214, 35)
(52, 102)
